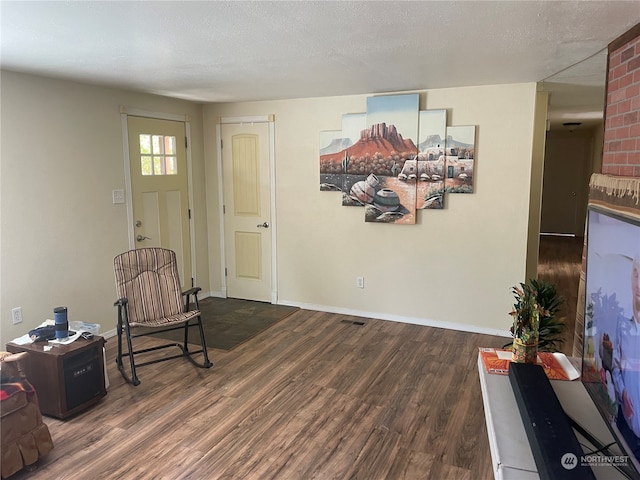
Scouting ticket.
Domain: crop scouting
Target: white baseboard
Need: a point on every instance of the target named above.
(399, 318)
(109, 333)
(211, 294)
(380, 316)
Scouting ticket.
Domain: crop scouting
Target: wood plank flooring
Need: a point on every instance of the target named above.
(310, 398)
(559, 262)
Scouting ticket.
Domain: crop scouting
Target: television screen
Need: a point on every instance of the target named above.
(611, 343)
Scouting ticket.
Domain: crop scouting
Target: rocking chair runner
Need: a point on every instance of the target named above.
(148, 287)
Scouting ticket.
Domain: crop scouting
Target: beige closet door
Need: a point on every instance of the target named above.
(247, 217)
(566, 178)
(160, 188)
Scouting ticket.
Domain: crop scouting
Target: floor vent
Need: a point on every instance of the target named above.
(353, 322)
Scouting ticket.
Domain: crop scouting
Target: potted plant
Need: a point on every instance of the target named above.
(551, 328)
(535, 325)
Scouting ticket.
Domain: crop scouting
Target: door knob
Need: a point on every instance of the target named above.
(263, 225)
(140, 238)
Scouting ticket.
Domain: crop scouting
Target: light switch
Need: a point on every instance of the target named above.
(118, 196)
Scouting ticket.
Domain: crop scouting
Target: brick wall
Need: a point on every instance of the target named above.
(621, 149)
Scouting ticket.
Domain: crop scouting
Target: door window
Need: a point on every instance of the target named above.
(158, 155)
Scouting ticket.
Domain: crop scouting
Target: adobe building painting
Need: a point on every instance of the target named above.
(461, 146)
(430, 161)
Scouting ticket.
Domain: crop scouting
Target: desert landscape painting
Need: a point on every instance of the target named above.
(430, 161)
(367, 170)
(460, 165)
(396, 159)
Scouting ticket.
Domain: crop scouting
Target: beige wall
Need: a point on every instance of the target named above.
(61, 157)
(454, 268)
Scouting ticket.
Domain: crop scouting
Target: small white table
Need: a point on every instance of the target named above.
(510, 450)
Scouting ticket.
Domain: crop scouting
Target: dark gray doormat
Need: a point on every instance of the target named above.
(229, 322)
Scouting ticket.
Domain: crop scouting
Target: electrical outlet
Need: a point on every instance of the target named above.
(360, 282)
(16, 315)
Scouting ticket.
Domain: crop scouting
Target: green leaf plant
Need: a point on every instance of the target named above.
(535, 315)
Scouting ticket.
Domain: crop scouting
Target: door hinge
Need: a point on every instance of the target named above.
(221, 145)
(186, 145)
(192, 282)
(225, 271)
(224, 209)
(189, 211)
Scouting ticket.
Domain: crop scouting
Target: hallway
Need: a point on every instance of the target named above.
(559, 263)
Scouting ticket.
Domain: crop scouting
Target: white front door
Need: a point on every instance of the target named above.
(159, 188)
(247, 210)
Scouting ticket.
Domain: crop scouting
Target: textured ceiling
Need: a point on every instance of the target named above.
(218, 51)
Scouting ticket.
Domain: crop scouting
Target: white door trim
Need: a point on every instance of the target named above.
(270, 120)
(136, 112)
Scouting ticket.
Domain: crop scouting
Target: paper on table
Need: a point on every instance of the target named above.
(66, 341)
(564, 362)
(26, 339)
(23, 340)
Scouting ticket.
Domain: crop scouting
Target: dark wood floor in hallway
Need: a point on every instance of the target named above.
(559, 262)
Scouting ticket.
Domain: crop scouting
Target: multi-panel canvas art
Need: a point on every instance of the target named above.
(334, 148)
(389, 142)
(395, 159)
(332, 144)
(461, 146)
(430, 163)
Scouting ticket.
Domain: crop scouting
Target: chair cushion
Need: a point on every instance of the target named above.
(148, 278)
(167, 321)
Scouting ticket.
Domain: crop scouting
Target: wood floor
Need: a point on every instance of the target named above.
(559, 262)
(313, 397)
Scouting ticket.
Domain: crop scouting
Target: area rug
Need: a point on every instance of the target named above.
(229, 322)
